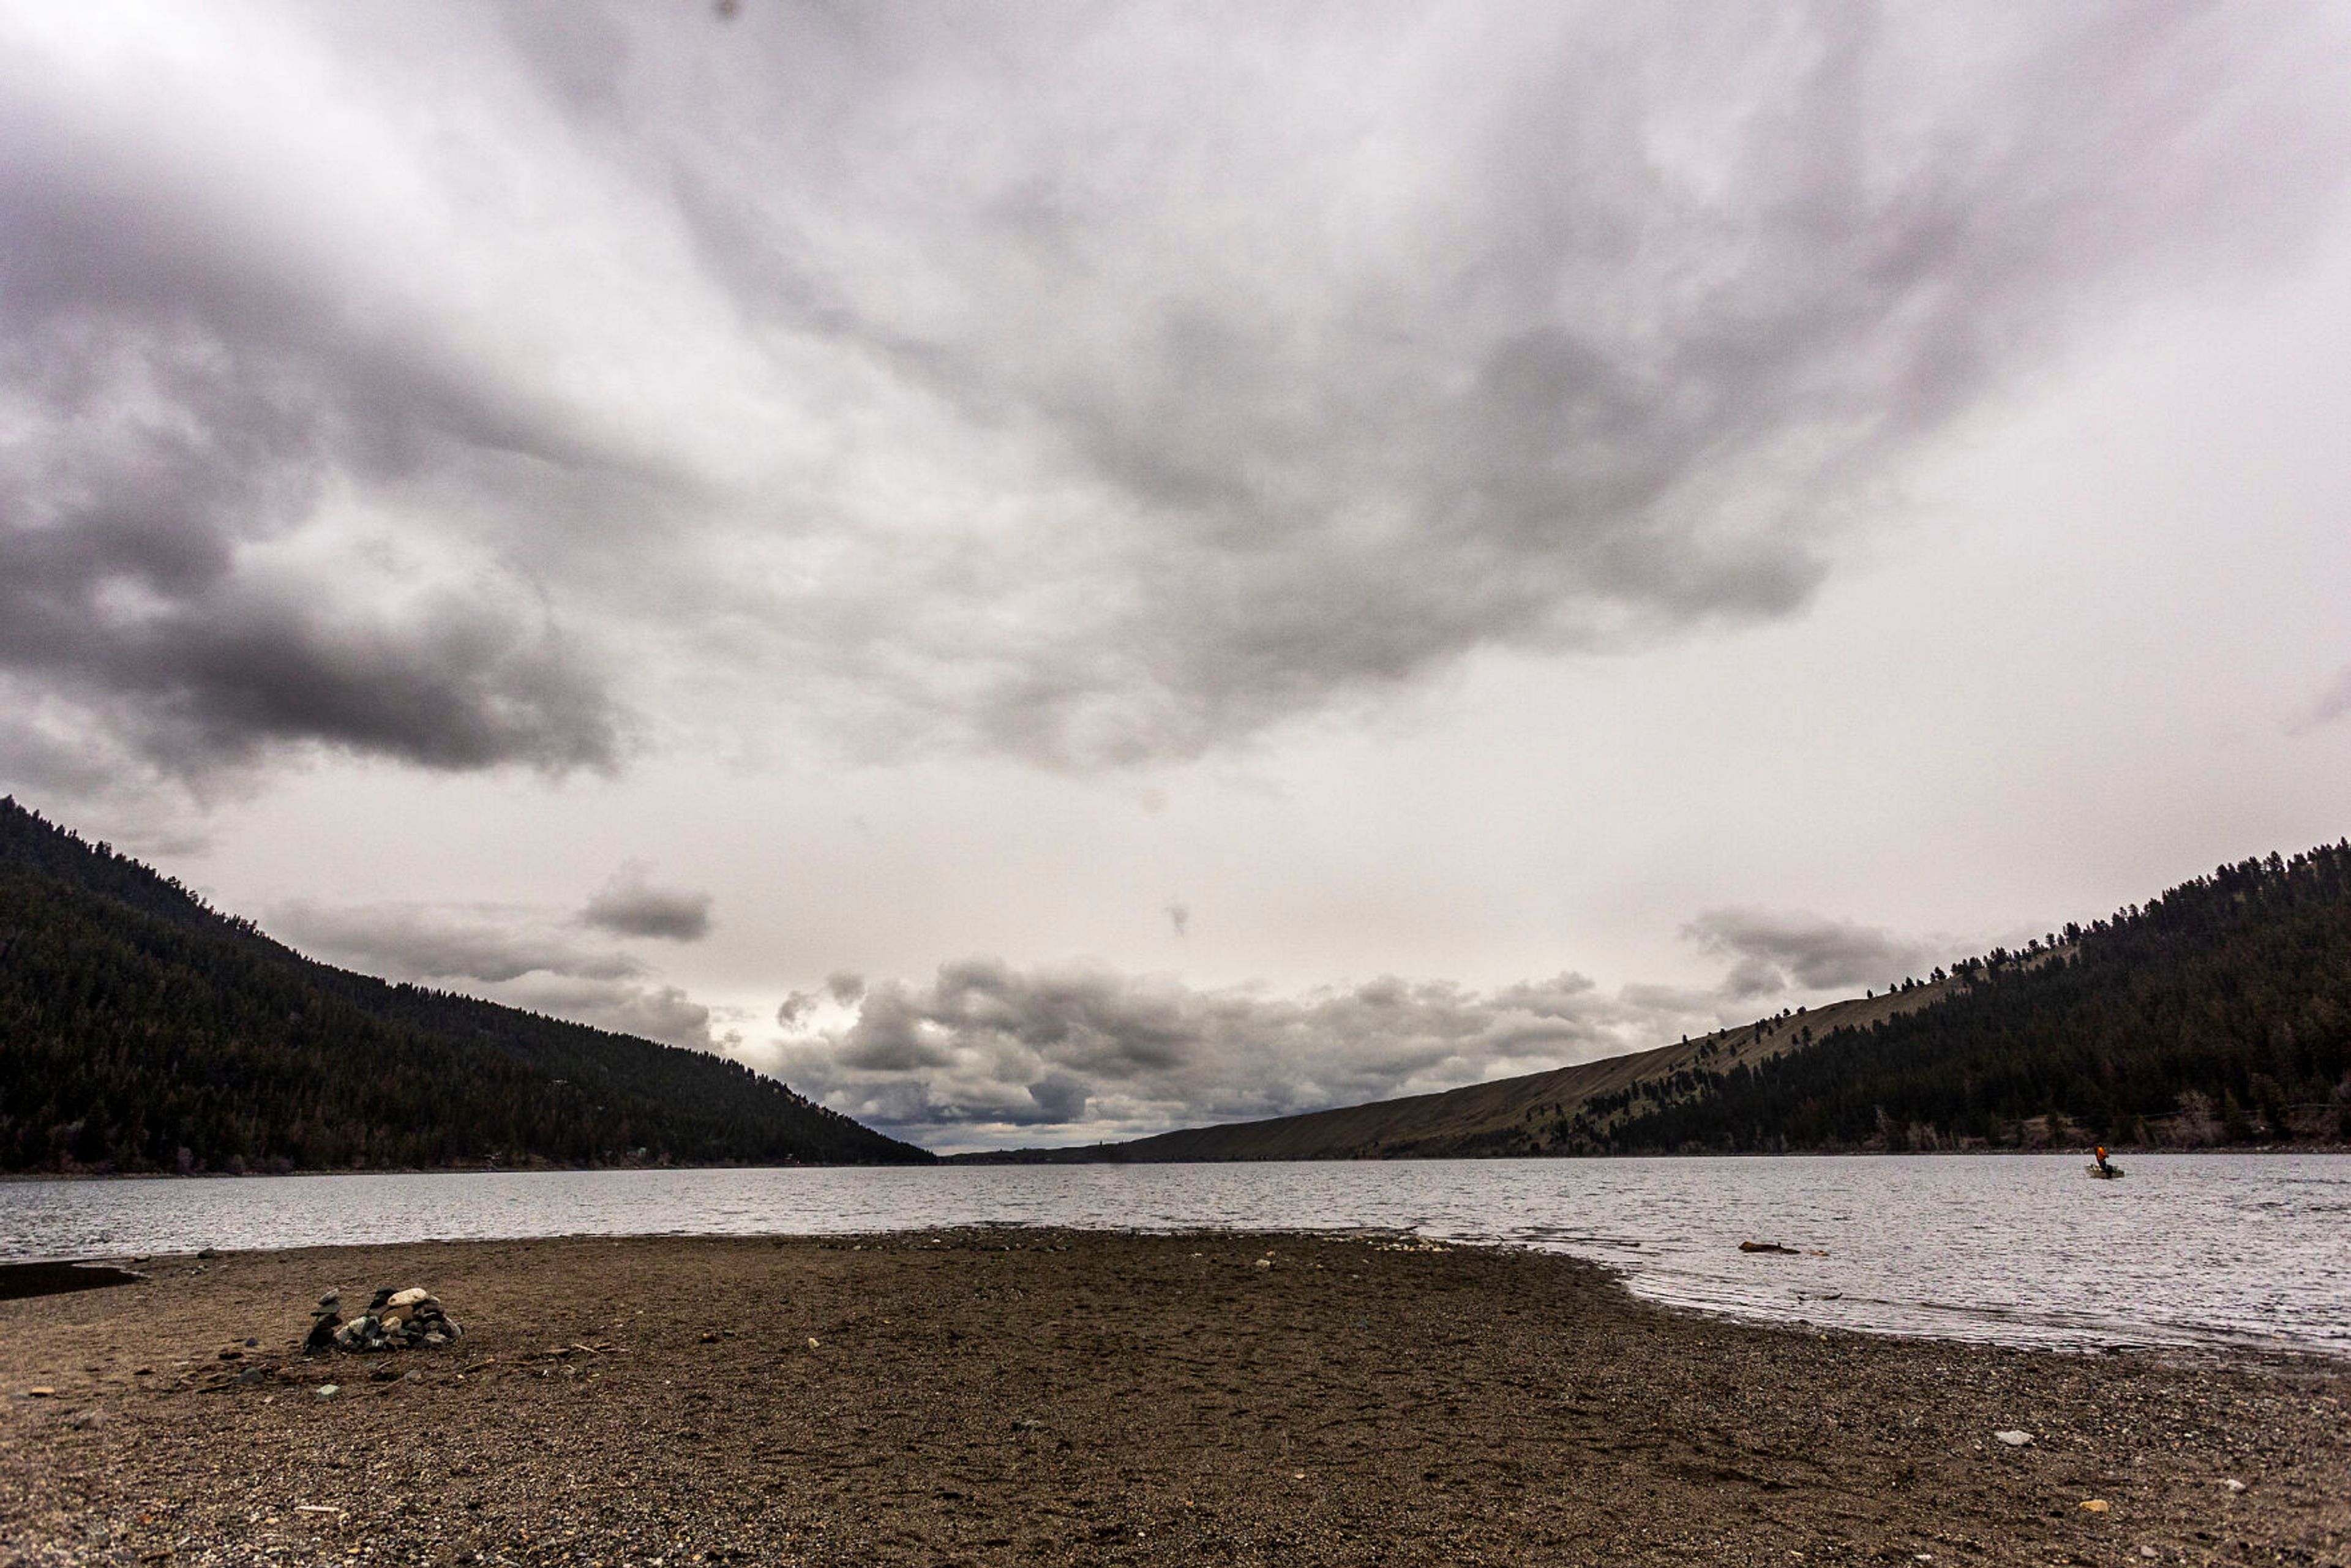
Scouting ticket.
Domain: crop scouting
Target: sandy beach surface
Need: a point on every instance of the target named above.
(1051, 1397)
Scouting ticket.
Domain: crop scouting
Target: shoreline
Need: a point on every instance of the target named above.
(1007, 1158)
(1024, 1395)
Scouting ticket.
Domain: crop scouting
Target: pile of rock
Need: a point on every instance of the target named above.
(395, 1320)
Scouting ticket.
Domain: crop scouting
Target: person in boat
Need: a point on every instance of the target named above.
(2104, 1168)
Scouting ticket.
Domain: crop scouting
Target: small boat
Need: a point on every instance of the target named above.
(2105, 1171)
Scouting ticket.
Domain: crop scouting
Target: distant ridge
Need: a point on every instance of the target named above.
(2218, 1014)
(143, 1031)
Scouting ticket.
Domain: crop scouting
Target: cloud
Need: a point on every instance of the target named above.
(629, 905)
(198, 420)
(1577, 330)
(2331, 705)
(516, 956)
(1095, 386)
(843, 989)
(987, 1052)
(1777, 950)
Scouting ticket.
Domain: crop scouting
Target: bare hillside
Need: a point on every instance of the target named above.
(1541, 1112)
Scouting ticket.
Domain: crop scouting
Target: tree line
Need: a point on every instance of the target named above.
(142, 1030)
(2219, 1013)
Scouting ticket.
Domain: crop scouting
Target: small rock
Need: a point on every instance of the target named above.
(2148, 1551)
(206, 1252)
(1264, 1264)
(2015, 1439)
(232, 1355)
(2094, 1505)
(41, 1391)
(253, 1344)
(329, 1390)
(2233, 1484)
(414, 1295)
(330, 1301)
(1766, 1247)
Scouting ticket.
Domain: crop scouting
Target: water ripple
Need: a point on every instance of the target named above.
(2190, 1249)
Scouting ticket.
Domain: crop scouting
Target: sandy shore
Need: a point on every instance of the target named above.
(1030, 1398)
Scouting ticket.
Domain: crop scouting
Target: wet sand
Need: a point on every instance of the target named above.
(1043, 1397)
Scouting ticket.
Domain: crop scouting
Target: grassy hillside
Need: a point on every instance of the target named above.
(1532, 1114)
(142, 1030)
(2220, 1013)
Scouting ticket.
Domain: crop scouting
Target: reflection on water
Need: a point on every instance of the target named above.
(2250, 1249)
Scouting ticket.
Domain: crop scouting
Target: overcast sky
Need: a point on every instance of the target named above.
(1055, 572)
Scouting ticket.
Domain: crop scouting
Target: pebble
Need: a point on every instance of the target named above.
(395, 1320)
(329, 1390)
(2015, 1439)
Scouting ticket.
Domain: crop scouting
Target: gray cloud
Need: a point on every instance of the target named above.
(1774, 950)
(1545, 343)
(629, 905)
(988, 1052)
(1064, 382)
(2334, 704)
(194, 415)
(433, 943)
(842, 988)
(507, 954)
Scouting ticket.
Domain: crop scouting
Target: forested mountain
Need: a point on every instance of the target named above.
(143, 1031)
(2218, 1014)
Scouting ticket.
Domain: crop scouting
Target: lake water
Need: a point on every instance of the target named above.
(2211, 1249)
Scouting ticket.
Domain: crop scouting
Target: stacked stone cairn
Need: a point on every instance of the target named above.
(395, 1320)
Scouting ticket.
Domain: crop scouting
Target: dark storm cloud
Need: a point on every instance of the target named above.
(1775, 949)
(185, 397)
(629, 905)
(988, 1045)
(1096, 385)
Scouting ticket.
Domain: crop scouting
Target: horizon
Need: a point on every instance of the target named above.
(1047, 579)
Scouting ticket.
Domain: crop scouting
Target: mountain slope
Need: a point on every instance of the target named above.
(1519, 1115)
(2220, 1012)
(141, 1030)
